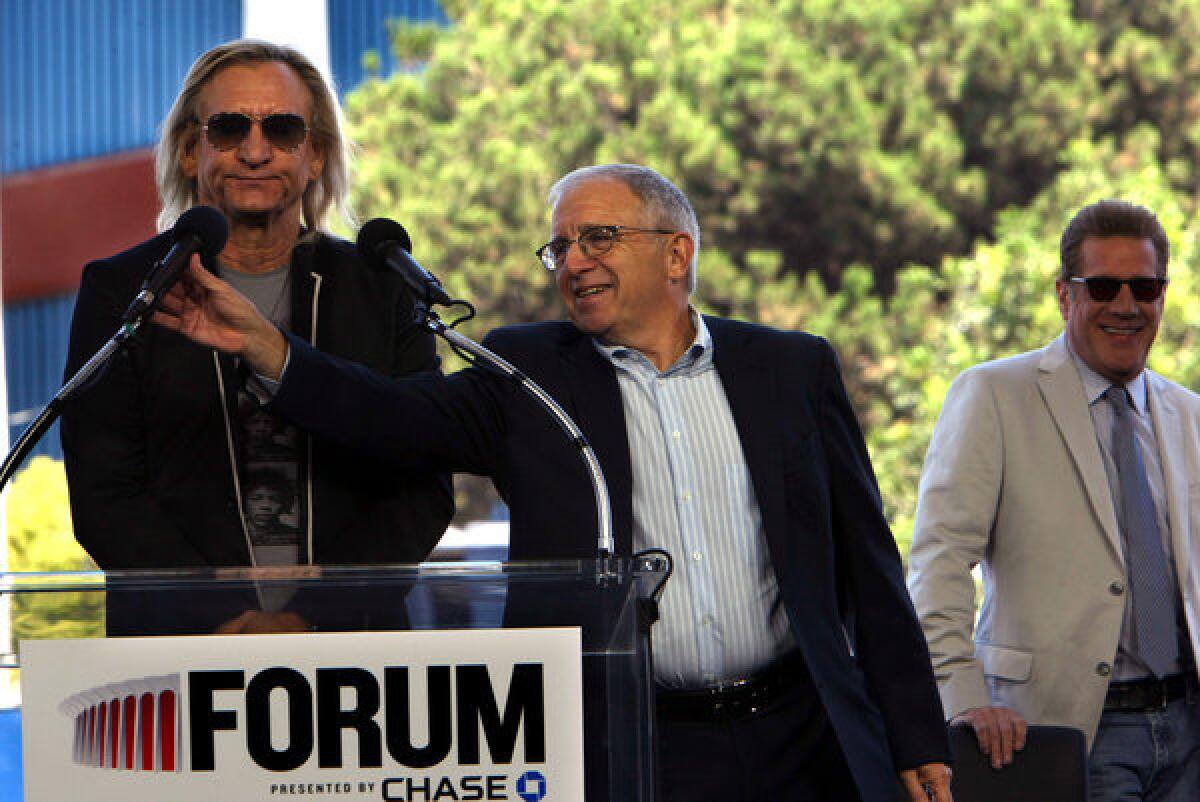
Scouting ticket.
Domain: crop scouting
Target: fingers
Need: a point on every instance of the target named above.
(273, 623)
(912, 785)
(197, 273)
(1011, 729)
(167, 319)
(935, 777)
(1022, 729)
(1000, 732)
(235, 626)
(930, 781)
(1002, 750)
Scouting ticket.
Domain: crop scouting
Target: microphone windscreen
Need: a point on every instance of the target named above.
(378, 231)
(206, 223)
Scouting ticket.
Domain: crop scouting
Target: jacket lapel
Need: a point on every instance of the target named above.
(1168, 430)
(596, 401)
(750, 388)
(1062, 390)
(304, 286)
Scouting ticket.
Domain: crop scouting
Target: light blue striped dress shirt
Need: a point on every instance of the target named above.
(722, 617)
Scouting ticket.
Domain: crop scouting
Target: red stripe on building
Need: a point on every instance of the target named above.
(55, 220)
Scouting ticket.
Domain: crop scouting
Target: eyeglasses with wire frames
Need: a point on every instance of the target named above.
(226, 130)
(1104, 288)
(592, 241)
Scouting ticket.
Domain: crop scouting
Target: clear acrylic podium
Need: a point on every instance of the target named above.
(610, 602)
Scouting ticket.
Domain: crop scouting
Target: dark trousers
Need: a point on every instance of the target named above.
(786, 752)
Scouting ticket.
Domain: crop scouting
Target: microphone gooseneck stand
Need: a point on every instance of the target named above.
(605, 545)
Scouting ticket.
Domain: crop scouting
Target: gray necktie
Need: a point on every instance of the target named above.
(1150, 583)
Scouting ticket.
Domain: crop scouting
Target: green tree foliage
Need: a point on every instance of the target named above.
(40, 539)
(893, 176)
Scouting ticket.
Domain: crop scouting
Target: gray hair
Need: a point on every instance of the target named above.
(177, 192)
(664, 204)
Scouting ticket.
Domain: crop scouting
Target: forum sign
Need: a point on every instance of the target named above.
(425, 716)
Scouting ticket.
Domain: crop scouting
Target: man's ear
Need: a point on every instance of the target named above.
(189, 159)
(316, 163)
(1063, 290)
(679, 256)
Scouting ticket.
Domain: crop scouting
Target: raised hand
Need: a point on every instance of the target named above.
(208, 311)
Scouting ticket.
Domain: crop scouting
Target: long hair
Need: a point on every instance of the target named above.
(177, 192)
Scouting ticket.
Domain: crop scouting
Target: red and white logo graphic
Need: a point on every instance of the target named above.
(127, 726)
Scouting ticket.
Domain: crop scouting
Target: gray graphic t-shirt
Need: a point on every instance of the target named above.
(271, 454)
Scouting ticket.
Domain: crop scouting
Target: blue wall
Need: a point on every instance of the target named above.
(83, 78)
(35, 352)
(10, 756)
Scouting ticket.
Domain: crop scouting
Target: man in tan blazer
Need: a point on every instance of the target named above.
(1071, 475)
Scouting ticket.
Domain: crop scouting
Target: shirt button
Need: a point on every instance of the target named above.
(1103, 669)
(707, 620)
(687, 495)
(675, 434)
(1116, 587)
(697, 556)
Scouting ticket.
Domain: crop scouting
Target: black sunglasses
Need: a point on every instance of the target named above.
(228, 129)
(1102, 288)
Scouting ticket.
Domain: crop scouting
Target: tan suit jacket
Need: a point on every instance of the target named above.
(1014, 482)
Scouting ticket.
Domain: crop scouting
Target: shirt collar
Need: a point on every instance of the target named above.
(697, 356)
(1095, 385)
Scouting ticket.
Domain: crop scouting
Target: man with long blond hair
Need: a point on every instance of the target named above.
(159, 451)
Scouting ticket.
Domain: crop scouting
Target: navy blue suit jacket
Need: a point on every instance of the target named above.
(835, 558)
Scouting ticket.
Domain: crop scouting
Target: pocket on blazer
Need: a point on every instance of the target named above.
(1004, 662)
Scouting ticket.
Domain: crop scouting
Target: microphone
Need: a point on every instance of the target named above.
(201, 228)
(385, 243)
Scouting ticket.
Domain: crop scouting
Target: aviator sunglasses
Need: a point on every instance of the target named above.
(1102, 288)
(228, 129)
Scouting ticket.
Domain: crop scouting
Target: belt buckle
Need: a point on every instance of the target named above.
(731, 704)
(732, 699)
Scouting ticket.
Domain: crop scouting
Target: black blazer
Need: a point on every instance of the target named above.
(835, 558)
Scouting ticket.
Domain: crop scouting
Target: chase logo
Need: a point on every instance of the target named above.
(531, 786)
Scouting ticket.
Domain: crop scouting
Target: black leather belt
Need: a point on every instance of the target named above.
(736, 699)
(1149, 694)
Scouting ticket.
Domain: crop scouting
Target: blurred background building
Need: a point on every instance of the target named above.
(84, 85)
